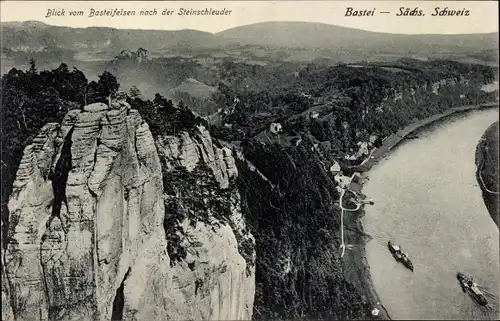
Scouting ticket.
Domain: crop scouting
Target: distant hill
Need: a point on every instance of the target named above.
(30, 36)
(320, 35)
(34, 35)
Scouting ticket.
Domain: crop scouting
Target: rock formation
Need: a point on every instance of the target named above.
(88, 226)
(140, 56)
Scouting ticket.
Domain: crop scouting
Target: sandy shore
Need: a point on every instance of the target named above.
(355, 264)
(356, 268)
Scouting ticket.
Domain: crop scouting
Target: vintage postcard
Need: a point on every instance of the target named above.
(249, 160)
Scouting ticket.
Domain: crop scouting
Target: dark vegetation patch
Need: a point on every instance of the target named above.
(362, 101)
(487, 167)
(198, 197)
(163, 117)
(296, 226)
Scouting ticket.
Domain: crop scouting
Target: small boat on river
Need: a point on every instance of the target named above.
(399, 255)
(469, 286)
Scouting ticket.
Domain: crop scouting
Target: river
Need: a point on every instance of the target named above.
(427, 199)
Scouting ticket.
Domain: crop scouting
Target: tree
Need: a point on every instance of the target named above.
(181, 105)
(106, 86)
(91, 93)
(32, 69)
(79, 82)
(135, 92)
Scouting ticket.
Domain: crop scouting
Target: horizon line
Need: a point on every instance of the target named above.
(251, 24)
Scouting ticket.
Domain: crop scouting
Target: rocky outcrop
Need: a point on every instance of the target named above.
(87, 234)
(210, 275)
(140, 56)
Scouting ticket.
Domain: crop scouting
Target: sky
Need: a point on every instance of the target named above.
(483, 15)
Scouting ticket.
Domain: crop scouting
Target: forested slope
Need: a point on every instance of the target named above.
(283, 189)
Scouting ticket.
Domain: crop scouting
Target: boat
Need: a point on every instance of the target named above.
(469, 286)
(406, 261)
(395, 250)
(399, 255)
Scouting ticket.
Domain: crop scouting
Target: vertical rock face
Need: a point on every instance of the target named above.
(211, 254)
(87, 232)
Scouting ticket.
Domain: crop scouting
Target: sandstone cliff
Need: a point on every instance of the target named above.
(90, 214)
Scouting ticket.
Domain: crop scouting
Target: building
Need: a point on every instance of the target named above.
(342, 181)
(335, 168)
(356, 183)
(275, 128)
(363, 149)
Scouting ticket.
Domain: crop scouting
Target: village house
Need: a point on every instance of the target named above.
(363, 149)
(435, 88)
(342, 181)
(275, 128)
(335, 168)
(356, 183)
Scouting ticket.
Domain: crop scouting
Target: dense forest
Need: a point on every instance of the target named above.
(293, 215)
(369, 99)
(296, 227)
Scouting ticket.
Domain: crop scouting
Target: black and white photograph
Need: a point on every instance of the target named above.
(249, 160)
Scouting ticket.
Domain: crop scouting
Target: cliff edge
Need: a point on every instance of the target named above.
(91, 231)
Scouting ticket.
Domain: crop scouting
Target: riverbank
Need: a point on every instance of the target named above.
(355, 264)
(393, 140)
(356, 268)
(487, 170)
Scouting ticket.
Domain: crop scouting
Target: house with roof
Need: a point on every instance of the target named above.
(335, 168)
(275, 128)
(342, 181)
(356, 183)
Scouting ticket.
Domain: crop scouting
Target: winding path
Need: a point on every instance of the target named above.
(342, 245)
(482, 181)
